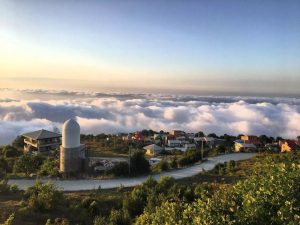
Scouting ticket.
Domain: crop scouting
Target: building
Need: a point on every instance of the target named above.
(289, 145)
(251, 139)
(174, 143)
(189, 146)
(241, 146)
(153, 150)
(211, 142)
(72, 153)
(42, 141)
(177, 133)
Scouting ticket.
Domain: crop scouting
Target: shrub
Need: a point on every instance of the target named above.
(118, 217)
(10, 220)
(43, 197)
(120, 169)
(163, 165)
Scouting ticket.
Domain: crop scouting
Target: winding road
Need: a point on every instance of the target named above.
(89, 184)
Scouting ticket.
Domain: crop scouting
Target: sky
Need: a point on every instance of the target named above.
(231, 47)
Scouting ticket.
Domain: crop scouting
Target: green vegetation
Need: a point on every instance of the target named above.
(43, 197)
(138, 166)
(262, 190)
(270, 195)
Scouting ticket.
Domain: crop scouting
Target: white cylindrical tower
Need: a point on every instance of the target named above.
(70, 134)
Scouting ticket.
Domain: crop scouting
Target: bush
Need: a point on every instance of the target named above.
(163, 165)
(4, 187)
(10, 220)
(58, 221)
(120, 169)
(117, 217)
(138, 166)
(174, 163)
(3, 166)
(190, 156)
(43, 197)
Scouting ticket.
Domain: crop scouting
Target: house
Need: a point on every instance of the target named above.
(41, 141)
(242, 146)
(289, 145)
(189, 146)
(251, 139)
(177, 133)
(174, 143)
(211, 142)
(153, 149)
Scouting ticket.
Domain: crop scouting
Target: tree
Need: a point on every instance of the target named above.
(3, 166)
(139, 165)
(18, 142)
(213, 135)
(28, 164)
(200, 134)
(49, 167)
(10, 151)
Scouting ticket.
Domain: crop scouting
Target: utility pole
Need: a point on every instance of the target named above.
(202, 149)
(129, 159)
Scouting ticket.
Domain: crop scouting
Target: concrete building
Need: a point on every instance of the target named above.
(72, 153)
(42, 141)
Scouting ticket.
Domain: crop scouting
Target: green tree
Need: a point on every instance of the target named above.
(49, 167)
(10, 151)
(18, 142)
(28, 164)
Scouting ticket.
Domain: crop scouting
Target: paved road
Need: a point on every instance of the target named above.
(89, 184)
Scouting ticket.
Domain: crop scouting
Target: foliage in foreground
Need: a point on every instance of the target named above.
(43, 197)
(10, 220)
(271, 195)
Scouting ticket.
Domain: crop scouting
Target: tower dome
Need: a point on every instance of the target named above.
(70, 134)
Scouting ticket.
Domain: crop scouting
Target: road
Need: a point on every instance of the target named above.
(89, 184)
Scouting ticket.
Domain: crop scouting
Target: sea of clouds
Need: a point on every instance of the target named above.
(115, 113)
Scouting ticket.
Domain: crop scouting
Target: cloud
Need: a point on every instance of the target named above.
(114, 113)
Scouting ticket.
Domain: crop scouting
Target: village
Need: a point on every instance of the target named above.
(163, 150)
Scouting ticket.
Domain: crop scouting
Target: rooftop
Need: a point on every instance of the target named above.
(41, 134)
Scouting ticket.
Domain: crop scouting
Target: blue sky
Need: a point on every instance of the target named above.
(201, 46)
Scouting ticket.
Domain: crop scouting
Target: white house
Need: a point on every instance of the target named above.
(153, 149)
